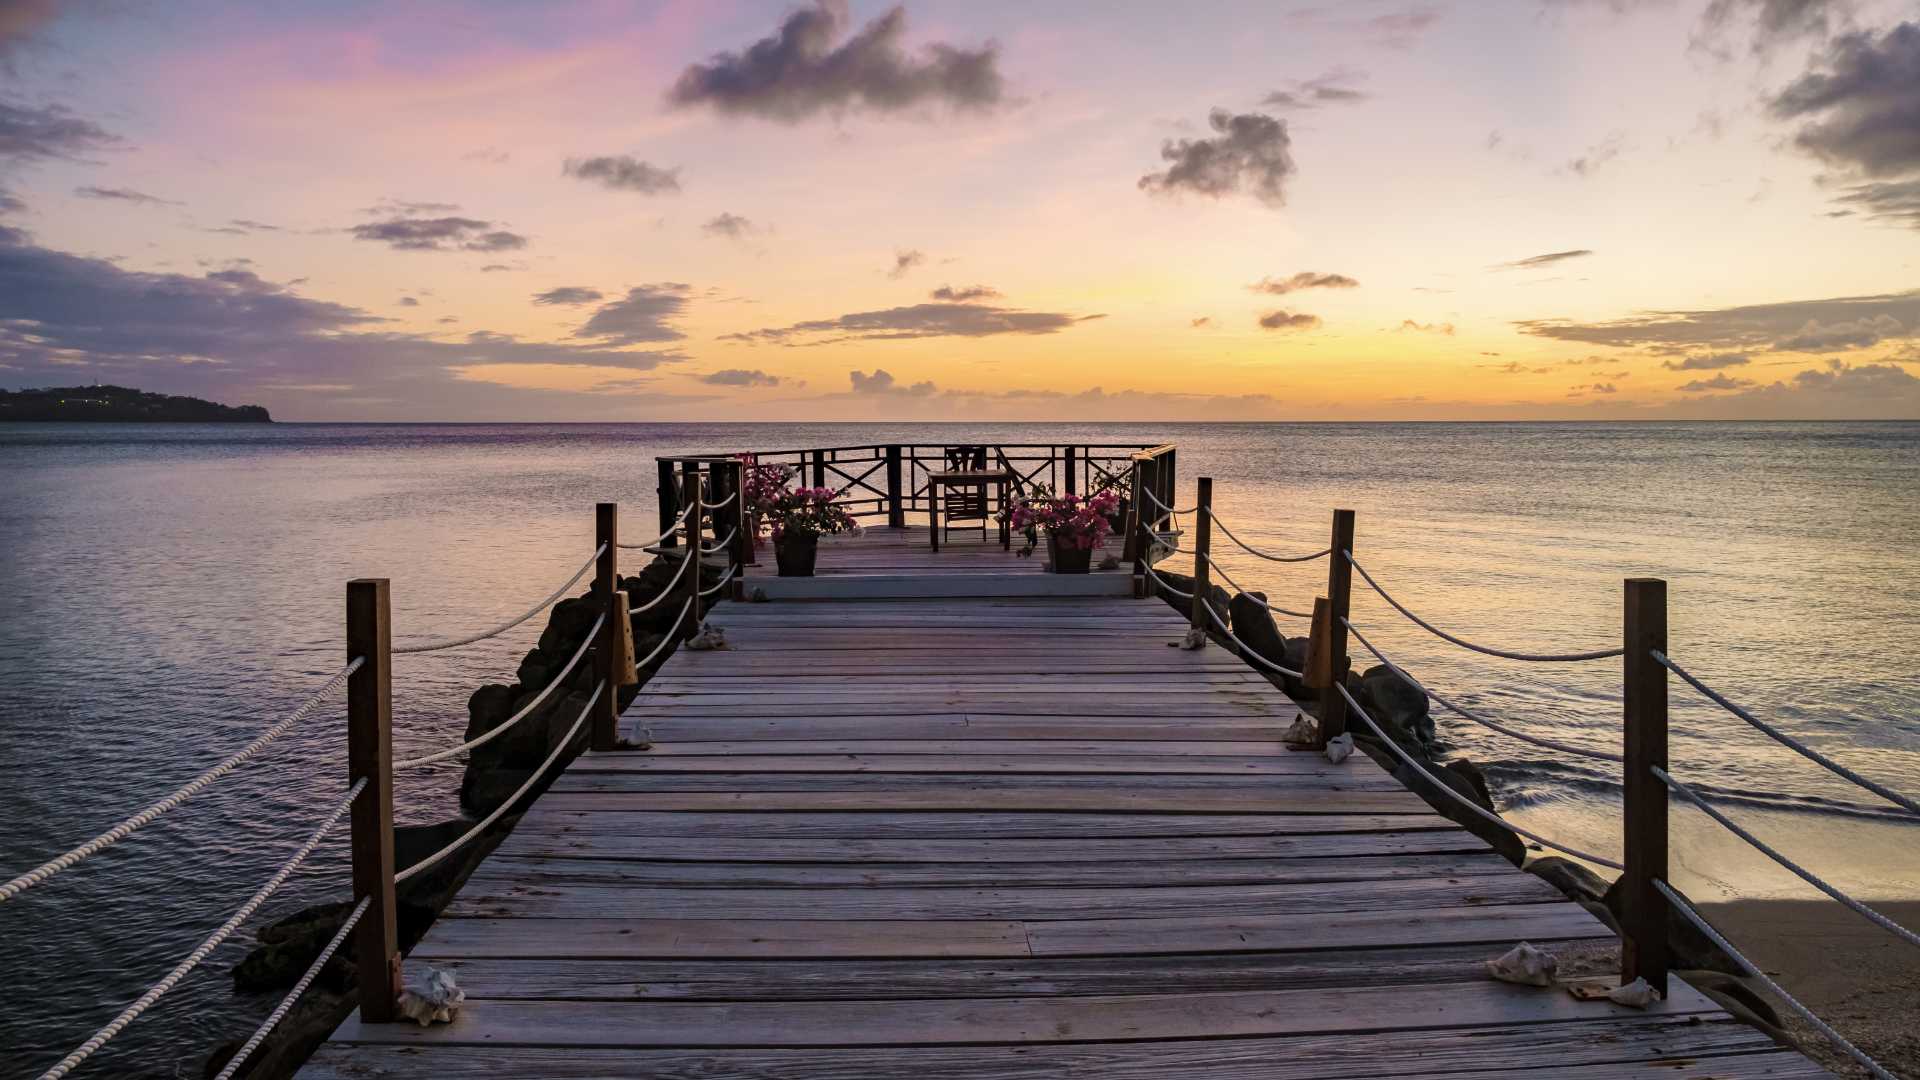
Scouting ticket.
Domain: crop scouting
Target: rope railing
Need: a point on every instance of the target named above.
(672, 530)
(287, 1003)
(1162, 583)
(1788, 741)
(186, 791)
(1550, 744)
(525, 710)
(1799, 871)
(672, 588)
(720, 547)
(718, 585)
(1247, 651)
(1165, 510)
(1753, 970)
(499, 811)
(1555, 658)
(722, 504)
(668, 639)
(1462, 800)
(205, 948)
(1256, 552)
(454, 643)
(1264, 606)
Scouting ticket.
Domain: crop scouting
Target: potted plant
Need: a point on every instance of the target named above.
(762, 484)
(797, 518)
(1075, 527)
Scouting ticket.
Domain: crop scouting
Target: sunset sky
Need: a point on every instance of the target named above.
(606, 210)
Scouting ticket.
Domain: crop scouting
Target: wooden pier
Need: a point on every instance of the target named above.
(978, 834)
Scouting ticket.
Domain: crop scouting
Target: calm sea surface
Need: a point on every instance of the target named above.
(167, 591)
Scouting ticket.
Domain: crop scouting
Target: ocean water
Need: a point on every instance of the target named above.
(167, 591)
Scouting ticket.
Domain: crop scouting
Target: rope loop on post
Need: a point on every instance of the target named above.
(145, 1001)
(658, 540)
(451, 643)
(187, 791)
(1551, 658)
(1472, 806)
(718, 585)
(1237, 587)
(499, 811)
(720, 547)
(1788, 741)
(1550, 744)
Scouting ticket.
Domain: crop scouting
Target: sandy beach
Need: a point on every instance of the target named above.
(1856, 976)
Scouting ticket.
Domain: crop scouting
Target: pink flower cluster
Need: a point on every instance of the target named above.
(1073, 522)
(808, 511)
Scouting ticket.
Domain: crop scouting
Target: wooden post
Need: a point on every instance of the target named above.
(668, 495)
(1643, 923)
(819, 468)
(690, 497)
(370, 755)
(1131, 548)
(606, 645)
(1333, 707)
(1202, 538)
(896, 508)
(740, 552)
(1072, 485)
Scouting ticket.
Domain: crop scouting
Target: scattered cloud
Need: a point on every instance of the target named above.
(1281, 320)
(127, 195)
(1596, 156)
(499, 268)
(1202, 321)
(1767, 23)
(487, 155)
(408, 301)
(730, 226)
(439, 234)
(904, 262)
(1802, 325)
(1706, 362)
(805, 68)
(1445, 328)
(882, 382)
(1535, 262)
(624, 173)
(1859, 110)
(568, 295)
(1400, 29)
(916, 321)
(48, 132)
(965, 293)
(1250, 152)
(1718, 382)
(1593, 388)
(740, 377)
(1306, 279)
(641, 316)
(1896, 201)
(1329, 89)
(391, 207)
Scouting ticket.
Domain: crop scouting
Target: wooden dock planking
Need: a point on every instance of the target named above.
(992, 839)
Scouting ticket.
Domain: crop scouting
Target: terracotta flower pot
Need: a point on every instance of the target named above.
(795, 553)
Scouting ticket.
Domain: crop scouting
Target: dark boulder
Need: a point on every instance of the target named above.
(1687, 947)
(1398, 706)
(1460, 778)
(1577, 883)
(1218, 598)
(1253, 625)
(487, 709)
(1295, 657)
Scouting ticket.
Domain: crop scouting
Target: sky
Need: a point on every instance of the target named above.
(618, 210)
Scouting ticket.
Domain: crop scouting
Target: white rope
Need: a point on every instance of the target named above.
(481, 825)
(450, 643)
(280, 1011)
(720, 546)
(193, 787)
(1786, 740)
(722, 504)
(180, 970)
(1267, 555)
(1799, 871)
(525, 710)
(1237, 587)
(1168, 511)
(1463, 800)
(1565, 748)
(1246, 650)
(1162, 582)
(669, 589)
(721, 584)
(1556, 658)
(1753, 970)
(663, 537)
(666, 641)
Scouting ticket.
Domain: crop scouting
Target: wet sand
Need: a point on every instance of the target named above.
(1854, 975)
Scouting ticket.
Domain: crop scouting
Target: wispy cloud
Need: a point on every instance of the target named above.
(568, 295)
(624, 173)
(1306, 279)
(1282, 320)
(120, 194)
(916, 321)
(439, 234)
(1535, 262)
(644, 315)
(904, 263)
(964, 293)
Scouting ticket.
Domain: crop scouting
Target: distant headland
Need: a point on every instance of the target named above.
(121, 403)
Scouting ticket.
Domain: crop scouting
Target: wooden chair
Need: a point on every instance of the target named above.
(965, 504)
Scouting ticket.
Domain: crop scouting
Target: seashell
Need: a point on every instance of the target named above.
(1303, 732)
(433, 999)
(1339, 747)
(710, 637)
(1196, 639)
(1524, 964)
(1635, 995)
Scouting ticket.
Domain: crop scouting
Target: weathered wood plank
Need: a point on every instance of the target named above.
(981, 797)
(960, 825)
(1258, 933)
(1103, 748)
(1303, 786)
(1312, 766)
(617, 842)
(978, 1021)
